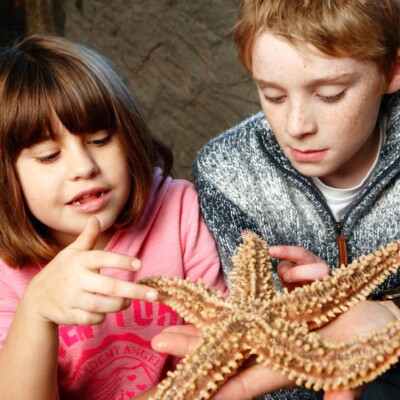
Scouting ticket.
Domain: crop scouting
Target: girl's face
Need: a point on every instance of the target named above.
(68, 179)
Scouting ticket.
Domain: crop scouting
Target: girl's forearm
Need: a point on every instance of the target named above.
(28, 359)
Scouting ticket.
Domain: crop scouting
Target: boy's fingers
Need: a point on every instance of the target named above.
(183, 329)
(175, 344)
(308, 272)
(283, 267)
(250, 383)
(340, 395)
(296, 254)
(88, 237)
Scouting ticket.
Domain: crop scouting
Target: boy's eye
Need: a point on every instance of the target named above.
(275, 99)
(332, 99)
(48, 158)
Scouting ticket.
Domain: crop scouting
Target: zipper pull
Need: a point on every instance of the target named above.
(342, 245)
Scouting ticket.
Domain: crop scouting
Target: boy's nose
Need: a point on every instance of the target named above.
(300, 120)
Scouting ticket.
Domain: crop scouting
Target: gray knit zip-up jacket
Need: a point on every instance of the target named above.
(245, 182)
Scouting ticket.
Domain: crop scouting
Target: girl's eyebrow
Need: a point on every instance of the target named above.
(324, 80)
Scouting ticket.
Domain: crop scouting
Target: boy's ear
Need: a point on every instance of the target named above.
(393, 84)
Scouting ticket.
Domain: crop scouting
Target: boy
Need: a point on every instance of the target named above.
(315, 173)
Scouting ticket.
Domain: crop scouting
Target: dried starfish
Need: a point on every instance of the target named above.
(257, 319)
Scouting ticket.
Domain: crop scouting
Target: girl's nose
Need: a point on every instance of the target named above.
(81, 164)
(300, 120)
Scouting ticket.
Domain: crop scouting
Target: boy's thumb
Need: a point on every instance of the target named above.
(88, 237)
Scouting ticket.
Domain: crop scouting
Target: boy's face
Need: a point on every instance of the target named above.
(68, 179)
(323, 110)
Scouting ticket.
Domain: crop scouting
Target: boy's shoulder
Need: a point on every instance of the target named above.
(236, 138)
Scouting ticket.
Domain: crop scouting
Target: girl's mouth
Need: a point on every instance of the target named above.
(86, 198)
(90, 201)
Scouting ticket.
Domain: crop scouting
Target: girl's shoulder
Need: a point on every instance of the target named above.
(179, 185)
(17, 278)
(171, 190)
(179, 194)
(18, 272)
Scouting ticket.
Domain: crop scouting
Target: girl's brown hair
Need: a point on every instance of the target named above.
(363, 29)
(43, 73)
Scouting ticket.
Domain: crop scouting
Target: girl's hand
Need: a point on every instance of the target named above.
(70, 289)
(299, 266)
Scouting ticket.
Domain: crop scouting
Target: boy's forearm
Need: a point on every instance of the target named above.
(28, 359)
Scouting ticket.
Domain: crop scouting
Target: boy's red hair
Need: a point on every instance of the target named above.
(363, 29)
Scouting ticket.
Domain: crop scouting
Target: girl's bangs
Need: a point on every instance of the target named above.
(82, 103)
(79, 100)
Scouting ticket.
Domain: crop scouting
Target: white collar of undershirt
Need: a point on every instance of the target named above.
(339, 200)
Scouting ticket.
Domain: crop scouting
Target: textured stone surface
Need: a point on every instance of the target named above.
(180, 60)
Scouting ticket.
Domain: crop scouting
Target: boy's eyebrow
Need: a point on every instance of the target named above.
(337, 78)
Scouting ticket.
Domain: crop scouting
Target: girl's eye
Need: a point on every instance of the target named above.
(101, 141)
(48, 158)
(332, 99)
(275, 99)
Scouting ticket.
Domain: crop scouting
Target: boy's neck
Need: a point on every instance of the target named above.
(349, 176)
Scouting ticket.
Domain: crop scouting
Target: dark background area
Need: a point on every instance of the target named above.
(12, 21)
(178, 57)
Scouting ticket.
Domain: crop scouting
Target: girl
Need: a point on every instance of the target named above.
(86, 195)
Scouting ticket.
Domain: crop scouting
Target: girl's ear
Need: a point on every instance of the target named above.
(393, 84)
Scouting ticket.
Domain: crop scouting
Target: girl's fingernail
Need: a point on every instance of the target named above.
(286, 277)
(151, 295)
(136, 264)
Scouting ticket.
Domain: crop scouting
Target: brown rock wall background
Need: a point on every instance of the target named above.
(178, 56)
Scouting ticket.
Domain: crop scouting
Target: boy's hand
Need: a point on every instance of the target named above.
(254, 380)
(299, 266)
(343, 395)
(70, 289)
(251, 381)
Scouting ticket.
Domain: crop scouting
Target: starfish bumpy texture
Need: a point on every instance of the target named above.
(277, 327)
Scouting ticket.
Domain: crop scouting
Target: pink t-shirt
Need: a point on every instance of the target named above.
(114, 360)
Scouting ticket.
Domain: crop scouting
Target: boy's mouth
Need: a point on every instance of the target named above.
(308, 155)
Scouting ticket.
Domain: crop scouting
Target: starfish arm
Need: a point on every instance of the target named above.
(317, 363)
(196, 303)
(321, 301)
(217, 356)
(251, 276)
